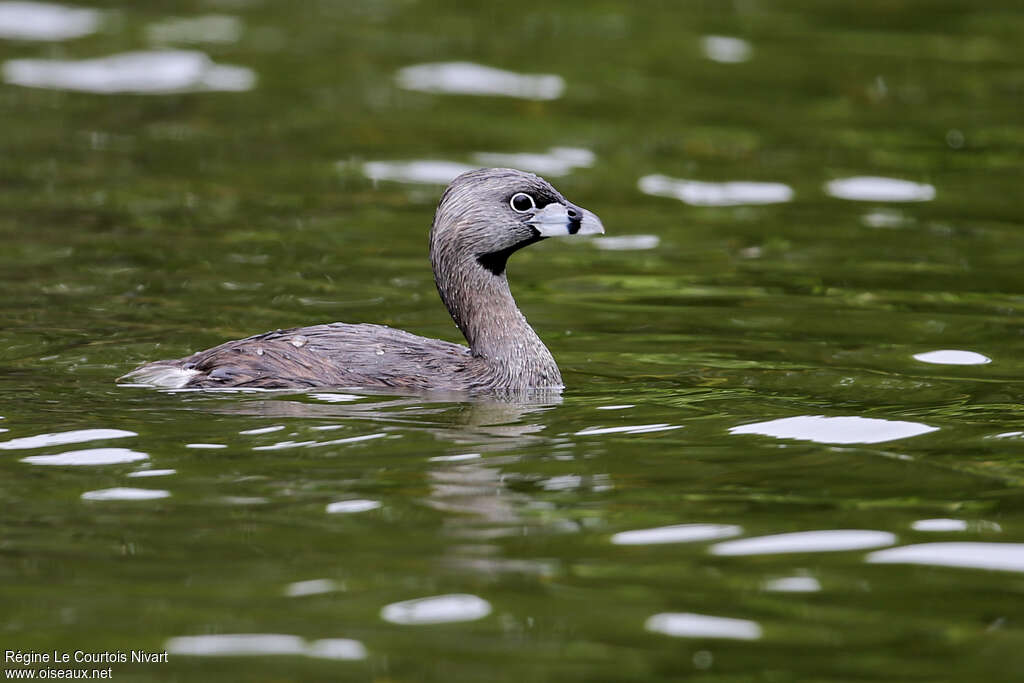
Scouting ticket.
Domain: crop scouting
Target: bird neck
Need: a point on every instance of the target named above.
(482, 307)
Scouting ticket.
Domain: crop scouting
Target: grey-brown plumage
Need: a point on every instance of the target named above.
(483, 217)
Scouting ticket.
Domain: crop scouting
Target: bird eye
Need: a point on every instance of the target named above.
(522, 202)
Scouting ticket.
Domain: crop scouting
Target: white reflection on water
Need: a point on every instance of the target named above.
(568, 482)
(263, 430)
(563, 482)
(424, 171)
(125, 493)
(209, 28)
(207, 390)
(629, 429)
(336, 648)
(258, 644)
(438, 609)
(939, 525)
(467, 78)
(206, 446)
(998, 556)
(876, 189)
(90, 456)
(352, 506)
(61, 438)
(454, 458)
(236, 645)
(244, 500)
(546, 569)
(46, 21)
(335, 397)
(838, 430)
(152, 473)
(885, 218)
(627, 242)
(557, 161)
(688, 625)
(282, 445)
(153, 72)
(311, 587)
(726, 49)
(952, 357)
(349, 439)
(699, 193)
(793, 584)
(676, 533)
(478, 498)
(823, 541)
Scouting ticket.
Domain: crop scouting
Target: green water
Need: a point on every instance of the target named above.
(142, 226)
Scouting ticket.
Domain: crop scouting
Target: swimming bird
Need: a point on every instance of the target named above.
(483, 217)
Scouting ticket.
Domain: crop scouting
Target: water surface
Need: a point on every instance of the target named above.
(791, 440)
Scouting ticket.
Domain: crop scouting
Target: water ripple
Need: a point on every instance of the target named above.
(629, 429)
(349, 439)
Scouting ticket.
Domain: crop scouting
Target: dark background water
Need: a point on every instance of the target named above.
(139, 226)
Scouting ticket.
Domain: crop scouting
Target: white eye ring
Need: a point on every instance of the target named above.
(517, 198)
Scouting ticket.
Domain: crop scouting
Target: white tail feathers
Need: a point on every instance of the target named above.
(156, 375)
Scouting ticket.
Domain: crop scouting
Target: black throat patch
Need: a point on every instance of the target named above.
(496, 261)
